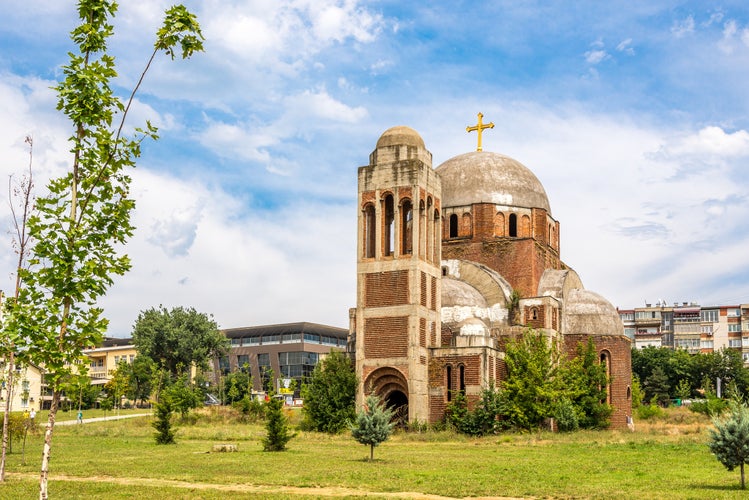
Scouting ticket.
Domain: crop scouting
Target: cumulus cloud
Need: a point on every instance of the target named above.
(710, 141)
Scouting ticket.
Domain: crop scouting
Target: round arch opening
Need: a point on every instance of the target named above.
(391, 387)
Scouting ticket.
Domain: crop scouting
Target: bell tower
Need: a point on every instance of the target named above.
(398, 272)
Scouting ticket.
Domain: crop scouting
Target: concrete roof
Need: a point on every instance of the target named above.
(589, 313)
(460, 293)
(485, 177)
(400, 135)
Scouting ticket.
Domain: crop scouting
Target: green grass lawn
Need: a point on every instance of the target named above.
(664, 459)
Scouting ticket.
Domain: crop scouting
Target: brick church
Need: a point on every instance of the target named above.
(450, 263)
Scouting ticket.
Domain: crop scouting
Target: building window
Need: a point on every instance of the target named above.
(513, 225)
(312, 337)
(734, 327)
(449, 374)
(243, 362)
(389, 223)
(223, 365)
(462, 379)
(734, 342)
(297, 364)
(263, 363)
(407, 226)
(466, 228)
(710, 315)
(606, 362)
(369, 231)
(454, 226)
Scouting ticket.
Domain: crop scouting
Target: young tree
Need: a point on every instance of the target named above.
(163, 424)
(583, 382)
(656, 387)
(9, 339)
(330, 395)
(276, 426)
(529, 390)
(140, 374)
(373, 424)
(729, 440)
(178, 338)
(183, 396)
(79, 226)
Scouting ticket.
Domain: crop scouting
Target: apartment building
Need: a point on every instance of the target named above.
(689, 326)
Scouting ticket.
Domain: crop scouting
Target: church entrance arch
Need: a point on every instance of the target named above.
(391, 387)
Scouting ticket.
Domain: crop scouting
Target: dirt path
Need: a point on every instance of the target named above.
(254, 489)
(101, 419)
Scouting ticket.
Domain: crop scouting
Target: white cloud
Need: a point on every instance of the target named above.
(626, 47)
(320, 105)
(683, 27)
(711, 141)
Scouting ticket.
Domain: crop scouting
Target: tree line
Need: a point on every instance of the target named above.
(668, 374)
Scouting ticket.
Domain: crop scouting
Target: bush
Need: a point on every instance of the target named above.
(645, 412)
(252, 409)
(713, 406)
(565, 415)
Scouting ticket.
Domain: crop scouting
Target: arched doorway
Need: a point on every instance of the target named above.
(390, 386)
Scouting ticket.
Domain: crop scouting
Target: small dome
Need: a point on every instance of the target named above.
(484, 177)
(589, 313)
(400, 135)
(459, 293)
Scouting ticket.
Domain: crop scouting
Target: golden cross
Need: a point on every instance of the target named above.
(479, 127)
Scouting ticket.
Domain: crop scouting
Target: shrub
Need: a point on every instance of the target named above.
(565, 415)
(645, 412)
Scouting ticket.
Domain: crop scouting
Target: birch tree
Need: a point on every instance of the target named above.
(83, 221)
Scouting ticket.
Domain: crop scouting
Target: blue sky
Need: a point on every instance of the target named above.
(634, 116)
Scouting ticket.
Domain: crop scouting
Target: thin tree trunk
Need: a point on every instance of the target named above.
(6, 412)
(371, 452)
(43, 493)
(743, 485)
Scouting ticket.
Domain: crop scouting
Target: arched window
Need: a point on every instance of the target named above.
(449, 387)
(499, 224)
(525, 226)
(466, 226)
(606, 362)
(454, 226)
(513, 226)
(369, 231)
(422, 230)
(462, 378)
(388, 222)
(407, 223)
(436, 244)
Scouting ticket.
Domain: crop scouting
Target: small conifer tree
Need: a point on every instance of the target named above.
(373, 424)
(276, 426)
(163, 424)
(729, 440)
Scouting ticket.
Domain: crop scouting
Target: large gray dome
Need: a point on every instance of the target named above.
(485, 177)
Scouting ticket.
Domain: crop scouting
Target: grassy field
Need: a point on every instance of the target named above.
(662, 459)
